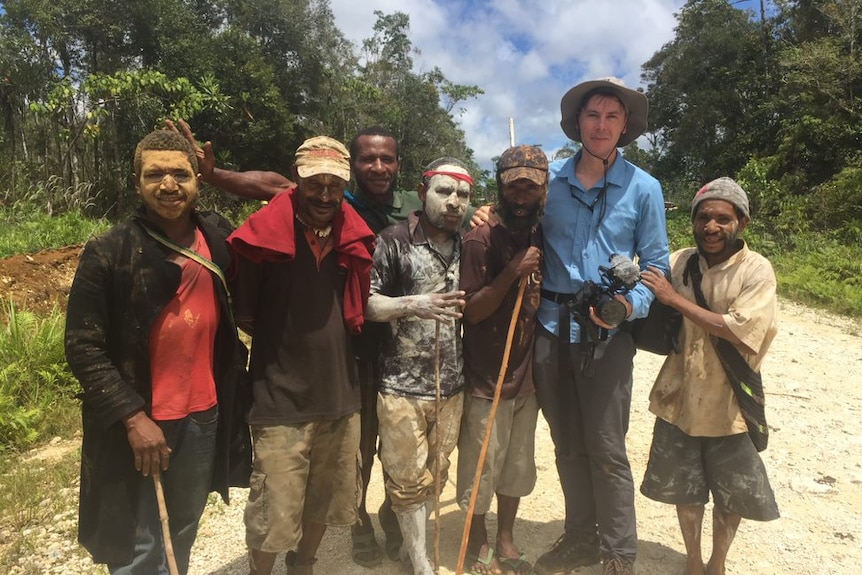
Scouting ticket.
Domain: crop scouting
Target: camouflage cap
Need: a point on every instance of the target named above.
(722, 189)
(527, 162)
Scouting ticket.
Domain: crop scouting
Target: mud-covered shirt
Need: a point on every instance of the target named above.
(406, 263)
(487, 250)
(692, 390)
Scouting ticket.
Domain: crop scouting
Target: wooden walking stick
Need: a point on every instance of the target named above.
(474, 493)
(437, 488)
(166, 529)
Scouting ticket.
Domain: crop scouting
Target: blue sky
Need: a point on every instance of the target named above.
(524, 54)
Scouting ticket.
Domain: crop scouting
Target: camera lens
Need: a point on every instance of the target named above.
(611, 310)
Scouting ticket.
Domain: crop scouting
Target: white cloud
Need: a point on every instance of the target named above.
(524, 54)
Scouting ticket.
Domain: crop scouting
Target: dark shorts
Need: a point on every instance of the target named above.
(684, 470)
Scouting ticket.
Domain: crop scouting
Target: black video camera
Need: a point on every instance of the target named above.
(619, 278)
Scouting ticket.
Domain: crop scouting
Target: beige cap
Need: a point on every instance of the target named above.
(323, 155)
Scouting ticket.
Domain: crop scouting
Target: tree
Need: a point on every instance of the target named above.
(821, 116)
(81, 82)
(390, 94)
(709, 91)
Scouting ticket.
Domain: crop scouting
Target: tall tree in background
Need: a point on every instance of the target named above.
(710, 95)
(80, 82)
(821, 115)
(387, 92)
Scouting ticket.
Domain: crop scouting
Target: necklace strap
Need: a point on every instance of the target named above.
(319, 232)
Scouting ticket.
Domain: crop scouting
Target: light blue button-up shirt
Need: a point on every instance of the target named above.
(578, 239)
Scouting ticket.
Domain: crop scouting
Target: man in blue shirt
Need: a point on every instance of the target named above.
(598, 205)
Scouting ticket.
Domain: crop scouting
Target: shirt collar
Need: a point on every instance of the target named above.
(616, 171)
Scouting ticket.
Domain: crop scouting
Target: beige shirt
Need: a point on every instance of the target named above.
(692, 390)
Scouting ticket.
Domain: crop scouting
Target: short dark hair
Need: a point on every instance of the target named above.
(372, 131)
(442, 162)
(164, 140)
(604, 92)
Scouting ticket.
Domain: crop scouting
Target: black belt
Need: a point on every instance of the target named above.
(557, 297)
(590, 333)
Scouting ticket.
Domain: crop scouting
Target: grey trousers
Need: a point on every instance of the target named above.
(588, 418)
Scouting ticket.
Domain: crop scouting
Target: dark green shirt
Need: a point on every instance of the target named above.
(379, 216)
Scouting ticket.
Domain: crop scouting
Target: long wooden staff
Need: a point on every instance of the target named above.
(437, 451)
(468, 521)
(166, 528)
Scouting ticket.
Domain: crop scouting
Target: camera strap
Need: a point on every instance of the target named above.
(591, 334)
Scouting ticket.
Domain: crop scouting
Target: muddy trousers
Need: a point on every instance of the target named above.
(588, 417)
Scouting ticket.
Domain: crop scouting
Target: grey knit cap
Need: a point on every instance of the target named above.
(722, 189)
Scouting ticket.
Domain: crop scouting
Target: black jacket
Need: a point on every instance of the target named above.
(122, 283)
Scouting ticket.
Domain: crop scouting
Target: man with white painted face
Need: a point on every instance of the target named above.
(301, 280)
(701, 442)
(599, 204)
(414, 287)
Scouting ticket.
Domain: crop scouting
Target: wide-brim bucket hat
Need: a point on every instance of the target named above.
(635, 103)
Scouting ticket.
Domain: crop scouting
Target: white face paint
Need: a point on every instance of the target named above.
(446, 199)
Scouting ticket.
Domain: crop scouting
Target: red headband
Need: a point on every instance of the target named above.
(456, 175)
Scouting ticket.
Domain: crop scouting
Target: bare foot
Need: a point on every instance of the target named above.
(714, 569)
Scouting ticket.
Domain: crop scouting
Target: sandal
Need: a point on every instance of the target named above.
(366, 551)
(474, 559)
(519, 566)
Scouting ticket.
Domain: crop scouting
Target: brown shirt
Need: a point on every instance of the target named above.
(692, 390)
(302, 362)
(486, 252)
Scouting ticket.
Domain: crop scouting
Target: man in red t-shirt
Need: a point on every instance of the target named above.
(151, 338)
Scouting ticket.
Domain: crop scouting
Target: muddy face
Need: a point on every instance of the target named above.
(167, 185)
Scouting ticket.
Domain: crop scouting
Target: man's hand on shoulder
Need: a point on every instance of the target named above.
(483, 215)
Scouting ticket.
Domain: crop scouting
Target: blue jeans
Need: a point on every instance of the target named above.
(186, 486)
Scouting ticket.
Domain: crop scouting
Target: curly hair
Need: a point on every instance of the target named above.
(372, 131)
(164, 140)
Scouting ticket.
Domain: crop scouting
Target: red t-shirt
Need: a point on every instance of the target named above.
(182, 340)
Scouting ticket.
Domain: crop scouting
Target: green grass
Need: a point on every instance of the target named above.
(26, 229)
(36, 387)
(821, 272)
(37, 493)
